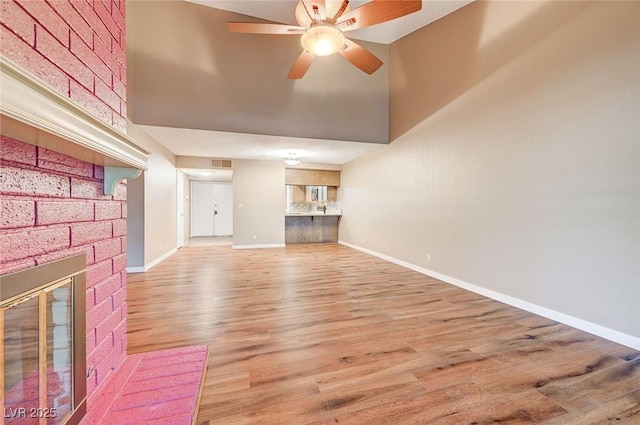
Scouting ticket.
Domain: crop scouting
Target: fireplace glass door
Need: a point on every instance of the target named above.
(39, 340)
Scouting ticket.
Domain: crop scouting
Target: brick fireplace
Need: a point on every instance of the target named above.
(53, 201)
(52, 208)
(63, 156)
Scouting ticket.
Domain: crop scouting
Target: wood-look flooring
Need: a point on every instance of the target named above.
(324, 334)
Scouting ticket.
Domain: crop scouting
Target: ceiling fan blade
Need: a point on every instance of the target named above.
(263, 28)
(377, 11)
(360, 57)
(301, 65)
(341, 10)
(316, 9)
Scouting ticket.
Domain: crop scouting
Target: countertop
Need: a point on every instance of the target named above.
(312, 213)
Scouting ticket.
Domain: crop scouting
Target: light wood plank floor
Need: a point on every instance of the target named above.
(323, 334)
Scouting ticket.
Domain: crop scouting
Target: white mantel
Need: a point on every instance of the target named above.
(32, 112)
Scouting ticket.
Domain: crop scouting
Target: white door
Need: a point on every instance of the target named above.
(211, 209)
(223, 206)
(202, 209)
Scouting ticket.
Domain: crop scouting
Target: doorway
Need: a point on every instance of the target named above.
(211, 209)
(180, 180)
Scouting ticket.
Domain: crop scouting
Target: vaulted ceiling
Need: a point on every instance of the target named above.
(203, 91)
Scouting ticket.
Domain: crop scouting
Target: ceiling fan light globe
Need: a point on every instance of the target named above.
(322, 40)
(292, 161)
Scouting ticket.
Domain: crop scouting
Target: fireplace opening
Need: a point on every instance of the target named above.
(42, 344)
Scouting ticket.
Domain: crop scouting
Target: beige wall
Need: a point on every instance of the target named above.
(258, 186)
(158, 208)
(135, 222)
(517, 156)
(187, 70)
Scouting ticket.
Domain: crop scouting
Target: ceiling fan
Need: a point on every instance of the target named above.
(322, 24)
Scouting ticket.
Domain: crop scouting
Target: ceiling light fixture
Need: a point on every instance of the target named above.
(322, 40)
(322, 23)
(292, 160)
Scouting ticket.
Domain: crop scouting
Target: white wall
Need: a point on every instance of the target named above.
(259, 203)
(522, 173)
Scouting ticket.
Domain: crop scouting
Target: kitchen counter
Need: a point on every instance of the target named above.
(311, 226)
(312, 213)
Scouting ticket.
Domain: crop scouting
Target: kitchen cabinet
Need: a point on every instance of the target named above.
(332, 193)
(312, 227)
(298, 193)
(312, 177)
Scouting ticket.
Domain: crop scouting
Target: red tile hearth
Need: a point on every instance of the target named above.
(159, 387)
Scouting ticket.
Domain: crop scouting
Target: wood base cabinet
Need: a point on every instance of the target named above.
(311, 229)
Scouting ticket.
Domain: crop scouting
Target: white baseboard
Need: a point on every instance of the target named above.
(146, 267)
(275, 245)
(592, 328)
(137, 269)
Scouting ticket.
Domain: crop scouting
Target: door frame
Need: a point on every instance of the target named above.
(180, 200)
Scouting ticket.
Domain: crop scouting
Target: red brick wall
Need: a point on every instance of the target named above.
(75, 46)
(52, 205)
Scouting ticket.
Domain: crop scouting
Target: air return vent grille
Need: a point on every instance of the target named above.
(220, 163)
